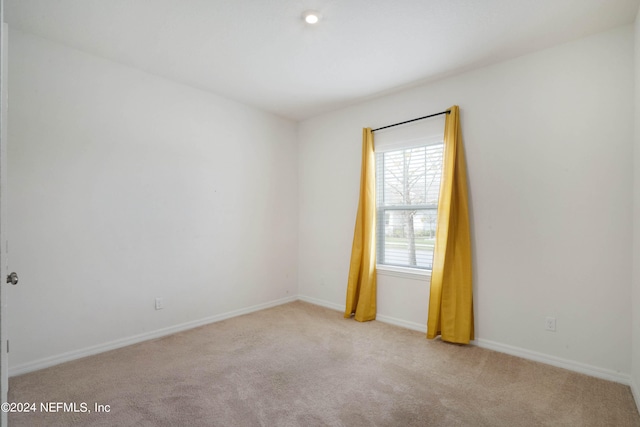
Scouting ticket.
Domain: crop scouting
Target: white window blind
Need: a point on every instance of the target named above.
(408, 174)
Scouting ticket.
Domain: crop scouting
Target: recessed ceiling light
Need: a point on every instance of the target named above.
(311, 16)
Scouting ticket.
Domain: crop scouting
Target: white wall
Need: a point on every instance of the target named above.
(125, 187)
(549, 147)
(635, 300)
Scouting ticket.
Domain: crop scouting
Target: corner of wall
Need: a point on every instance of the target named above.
(635, 391)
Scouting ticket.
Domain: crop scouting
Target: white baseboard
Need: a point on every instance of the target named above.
(570, 365)
(112, 345)
(402, 323)
(379, 317)
(322, 303)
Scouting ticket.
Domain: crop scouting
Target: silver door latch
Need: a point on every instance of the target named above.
(13, 278)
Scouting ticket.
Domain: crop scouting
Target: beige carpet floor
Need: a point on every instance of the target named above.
(303, 365)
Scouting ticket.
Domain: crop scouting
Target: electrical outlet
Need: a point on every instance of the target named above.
(159, 304)
(550, 324)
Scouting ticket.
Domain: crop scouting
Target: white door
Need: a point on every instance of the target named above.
(4, 271)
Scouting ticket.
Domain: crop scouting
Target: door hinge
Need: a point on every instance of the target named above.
(7, 346)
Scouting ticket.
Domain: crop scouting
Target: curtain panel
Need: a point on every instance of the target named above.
(451, 293)
(361, 288)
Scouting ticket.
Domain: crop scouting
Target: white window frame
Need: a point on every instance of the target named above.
(396, 270)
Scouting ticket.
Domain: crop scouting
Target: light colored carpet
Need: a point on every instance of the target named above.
(303, 365)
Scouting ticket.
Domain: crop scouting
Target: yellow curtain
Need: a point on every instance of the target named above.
(451, 299)
(361, 288)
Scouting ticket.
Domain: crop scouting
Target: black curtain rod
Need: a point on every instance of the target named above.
(413, 120)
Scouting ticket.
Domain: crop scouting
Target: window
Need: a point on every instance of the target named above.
(408, 185)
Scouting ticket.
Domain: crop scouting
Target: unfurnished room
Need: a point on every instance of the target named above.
(320, 213)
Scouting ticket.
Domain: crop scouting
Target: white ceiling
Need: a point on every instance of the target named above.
(261, 53)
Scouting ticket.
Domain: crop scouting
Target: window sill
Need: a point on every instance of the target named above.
(404, 272)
